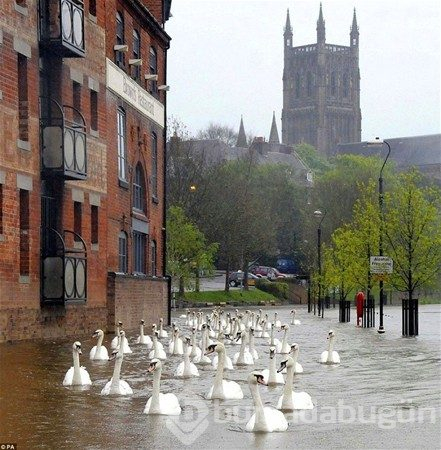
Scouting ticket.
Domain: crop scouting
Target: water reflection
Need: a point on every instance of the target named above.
(387, 371)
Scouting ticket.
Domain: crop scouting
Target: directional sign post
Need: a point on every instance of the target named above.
(381, 264)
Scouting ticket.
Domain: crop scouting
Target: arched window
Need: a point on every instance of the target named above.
(139, 189)
(122, 252)
(153, 258)
(298, 85)
(345, 85)
(119, 56)
(309, 84)
(333, 84)
(136, 55)
(154, 166)
(153, 67)
(122, 153)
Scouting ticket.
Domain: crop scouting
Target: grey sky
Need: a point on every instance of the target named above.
(226, 60)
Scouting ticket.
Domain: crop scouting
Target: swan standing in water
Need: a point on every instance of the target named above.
(330, 356)
(157, 351)
(291, 400)
(166, 404)
(186, 368)
(285, 348)
(265, 419)
(143, 338)
(116, 385)
(295, 354)
(76, 375)
(271, 376)
(294, 321)
(243, 357)
(115, 341)
(222, 389)
(99, 352)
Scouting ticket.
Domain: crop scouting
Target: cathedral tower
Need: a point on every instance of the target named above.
(321, 90)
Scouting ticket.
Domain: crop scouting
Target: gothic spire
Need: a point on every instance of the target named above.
(320, 26)
(241, 137)
(354, 22)
(354, 32)
(288, 28)
(274, 134)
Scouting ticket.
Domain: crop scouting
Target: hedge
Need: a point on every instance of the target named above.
(279, 289)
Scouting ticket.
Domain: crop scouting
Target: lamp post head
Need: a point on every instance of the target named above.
(318, 213)
(374, 142)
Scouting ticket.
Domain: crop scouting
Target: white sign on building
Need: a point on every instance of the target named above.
(381, 264)
(128, 89)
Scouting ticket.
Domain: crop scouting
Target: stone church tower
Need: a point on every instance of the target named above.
(321, 91)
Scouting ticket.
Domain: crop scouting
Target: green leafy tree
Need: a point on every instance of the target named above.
(412, 229)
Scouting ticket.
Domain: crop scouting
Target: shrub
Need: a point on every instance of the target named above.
(279, 289)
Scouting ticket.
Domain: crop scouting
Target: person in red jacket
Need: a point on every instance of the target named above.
(359, 297)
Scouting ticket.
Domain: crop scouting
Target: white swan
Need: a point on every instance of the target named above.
(294, 321)
(202, 358)
(274, 342)
(228, 362)
(162, 333)
(116, 385)
(176, 346)
(265, 419)
(186, 368)
(99, 352)
(155, 330)
(194, 350)
(115, 341)
(251, 348)
(76, 375)
(157, 351)
(291, 400)
(277, 322)
(285, 348)
(298, 368)
(243, 357)
(166, 404)
(271, 376)
(222, 389)
(330, 356)
(143, 338)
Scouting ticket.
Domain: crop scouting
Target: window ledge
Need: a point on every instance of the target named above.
(94, 133)
(2, 238)
(21, 9)
(92, 18)
(95, 247)
(24, 279)
(78, 245)
(123, 183)
(23, 145)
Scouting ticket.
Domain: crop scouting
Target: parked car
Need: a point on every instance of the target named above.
(236, 278)
(265, 271)
(286, 265)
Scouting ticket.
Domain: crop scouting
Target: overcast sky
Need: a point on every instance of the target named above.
(226, 60)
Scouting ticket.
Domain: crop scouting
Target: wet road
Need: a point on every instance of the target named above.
(384, 394)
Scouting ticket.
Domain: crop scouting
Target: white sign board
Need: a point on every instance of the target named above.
(381, 264)
(133, 93)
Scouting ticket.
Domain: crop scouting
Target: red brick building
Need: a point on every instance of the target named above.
(82, 151)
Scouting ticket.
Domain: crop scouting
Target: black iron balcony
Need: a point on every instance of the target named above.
(63, 267)
(62, 27)
(63, 141)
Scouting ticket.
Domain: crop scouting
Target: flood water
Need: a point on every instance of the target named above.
(384, 394)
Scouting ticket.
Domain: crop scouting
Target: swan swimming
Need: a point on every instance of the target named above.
(330, 356)
(116, 385)
(76, 375)
(285, 348)
(186, 368)
(222, 389)
(265, 419)
(251, 348)
(157, 351)
(271, 376)
(176, 346)
(115, 341)
(99, 352)
(291, 400)
(294, 321)
(228, 362)
(243, 357)
(162, 333)
(295, 354)
(274, 342)
(143, 338)
(158, 403)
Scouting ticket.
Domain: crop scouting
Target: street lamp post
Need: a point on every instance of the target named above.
(378, 141)
(318, 213)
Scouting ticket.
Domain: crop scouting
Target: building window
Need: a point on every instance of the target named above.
(153, 258)
(119, 56)
(309, 84)
(139, 189)
(122, 252)
(78, 212)
(92, 7)
(136, 74)
(94, 110)
(154, 166)
(345, 85)
(333, 84)
(153, 67)
(24, 232)
(23, 106)
(122, 155)
(94, 224)
(298, 86)
(139, 241)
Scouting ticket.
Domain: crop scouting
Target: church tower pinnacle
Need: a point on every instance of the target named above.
(321, 31)
(287, 35)
(274, 134)
(354, 32)
(241, 137)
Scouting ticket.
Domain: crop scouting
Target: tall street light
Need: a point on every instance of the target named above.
(377, 141)
(321, 215)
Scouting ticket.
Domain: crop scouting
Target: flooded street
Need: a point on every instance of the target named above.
(384, 394)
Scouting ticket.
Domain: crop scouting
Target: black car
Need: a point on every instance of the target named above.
(236, 279)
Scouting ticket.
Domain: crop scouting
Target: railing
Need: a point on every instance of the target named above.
(62, 27)
(337, 48)
(409, 317)
(63, 267)
(63, 140)
(369, 313)
(344, 311)
(304, 49)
